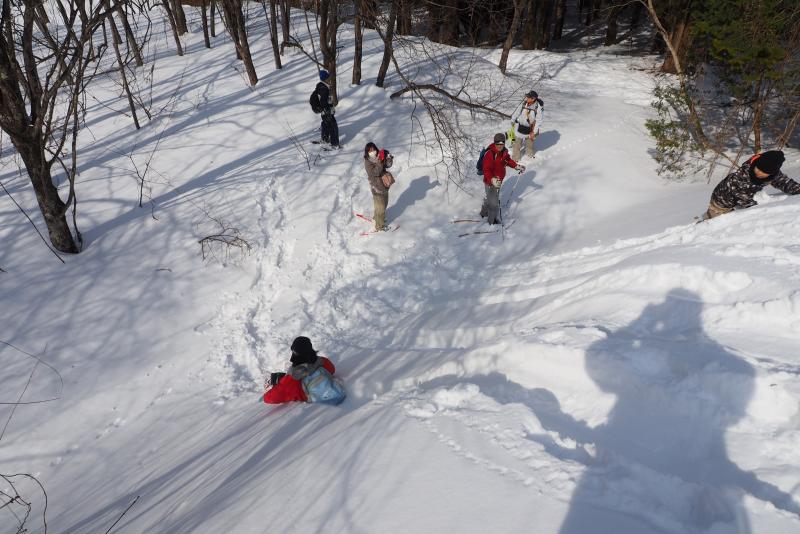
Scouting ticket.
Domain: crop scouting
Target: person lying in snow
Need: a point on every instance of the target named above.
(738, 188)
(309, 379)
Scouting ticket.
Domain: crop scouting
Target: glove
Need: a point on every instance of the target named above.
(381, 154)
(520, 168)
(496, 182)
(274, 378)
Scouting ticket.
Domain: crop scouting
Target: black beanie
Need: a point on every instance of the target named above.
(770, 162)
(499, 138)
(302, 351)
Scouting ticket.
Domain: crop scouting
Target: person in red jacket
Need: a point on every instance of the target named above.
(495, 161)
(288, 387)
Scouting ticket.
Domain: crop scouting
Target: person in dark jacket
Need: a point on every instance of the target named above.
(376, 163)
(495, 161)
(736, 191)
(288, 387)
(322, 100)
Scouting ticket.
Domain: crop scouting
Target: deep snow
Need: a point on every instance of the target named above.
(604, 365)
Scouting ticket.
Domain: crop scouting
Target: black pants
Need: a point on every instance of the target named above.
(330, 130)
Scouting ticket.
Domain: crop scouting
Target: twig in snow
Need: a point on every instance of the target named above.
(123, 513)
(18, 500)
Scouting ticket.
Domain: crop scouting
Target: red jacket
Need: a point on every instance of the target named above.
(289, 389)
(495, 162)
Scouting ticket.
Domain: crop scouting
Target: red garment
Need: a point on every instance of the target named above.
(289, 389)
(495, 162)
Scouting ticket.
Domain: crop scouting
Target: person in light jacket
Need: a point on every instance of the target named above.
(376, 163)
(526, 123)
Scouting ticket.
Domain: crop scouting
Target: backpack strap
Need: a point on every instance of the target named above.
(299, 372)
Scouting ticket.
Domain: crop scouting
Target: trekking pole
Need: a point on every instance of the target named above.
(513, 188)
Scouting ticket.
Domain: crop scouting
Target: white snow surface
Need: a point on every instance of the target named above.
(603, 365)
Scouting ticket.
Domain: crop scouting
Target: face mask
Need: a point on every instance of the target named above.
(372, 154)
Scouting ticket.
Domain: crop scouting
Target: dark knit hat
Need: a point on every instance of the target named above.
(770, 162)
(323, 75)
(500, 138)
(532, 94)
(302, 351)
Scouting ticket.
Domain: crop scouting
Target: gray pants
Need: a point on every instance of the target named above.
(517, 146)
(715, 210)
(379, 203)
(491, 204)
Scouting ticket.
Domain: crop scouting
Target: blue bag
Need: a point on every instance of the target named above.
(322, 387)
(479, 165)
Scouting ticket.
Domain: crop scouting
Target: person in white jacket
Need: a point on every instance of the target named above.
(527, 122)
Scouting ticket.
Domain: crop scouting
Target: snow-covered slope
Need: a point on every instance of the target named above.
(603, 365)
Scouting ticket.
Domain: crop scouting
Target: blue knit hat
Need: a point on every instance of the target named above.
(323, 75)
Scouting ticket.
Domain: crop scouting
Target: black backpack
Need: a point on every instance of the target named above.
(316, 107)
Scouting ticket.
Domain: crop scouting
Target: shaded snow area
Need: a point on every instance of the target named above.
(603, 365)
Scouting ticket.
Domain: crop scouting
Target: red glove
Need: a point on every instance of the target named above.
(381, 154)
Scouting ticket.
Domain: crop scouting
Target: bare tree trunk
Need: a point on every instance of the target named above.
(28, 100)
(133, 46)
(116, 40)
(41, 12)
(272, 21)
(204, 18)
(758, 112)
(434, 22)
(694, 118)
(359, 43)
(611, 28)
(238, 32)
(328, 24)
(42, 21)
(788, 130)
(561, 12)
(285, 20)
(387, 43)
(212, 15)
(512, 33)
(105, 40)
(369, 12)
(529, 27)
(53, 209)
(171, 19)
(543, 40)
(449, 34)
(404, 17)
(180, 17)
(680, 39)
(636, 15)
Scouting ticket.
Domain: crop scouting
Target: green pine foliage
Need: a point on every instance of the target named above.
(749, 38)
(671, 131)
